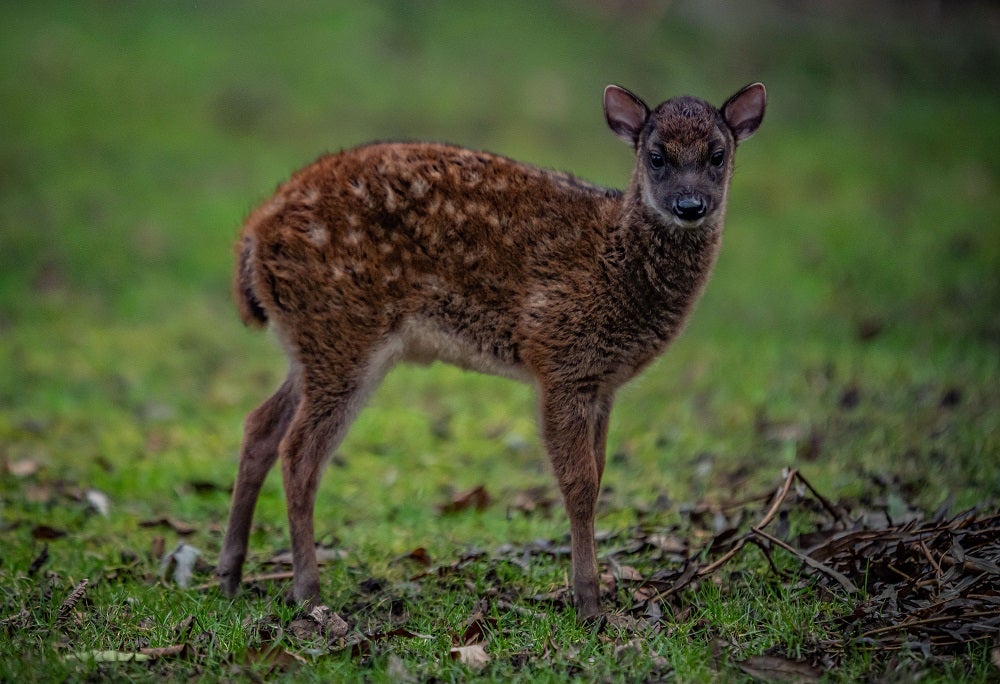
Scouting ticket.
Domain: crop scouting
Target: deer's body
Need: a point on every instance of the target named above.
(423, 252)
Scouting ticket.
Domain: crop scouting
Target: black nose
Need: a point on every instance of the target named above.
(689, 208)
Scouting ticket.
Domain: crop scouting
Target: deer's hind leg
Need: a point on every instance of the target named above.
(336, 383)
(263, 431)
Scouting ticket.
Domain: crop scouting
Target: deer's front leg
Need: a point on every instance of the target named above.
(574, 426)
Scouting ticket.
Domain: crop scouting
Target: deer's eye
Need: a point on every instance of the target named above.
(717, 158)
(656, 159)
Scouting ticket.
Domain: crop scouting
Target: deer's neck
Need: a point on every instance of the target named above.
(661, 268)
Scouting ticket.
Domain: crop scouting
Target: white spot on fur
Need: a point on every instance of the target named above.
(419, 187)
(310, 195)
(391, 203)
(537, 300)
(317, 233)
(359, 188)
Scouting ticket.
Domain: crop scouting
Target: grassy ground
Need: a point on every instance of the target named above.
(852, 328)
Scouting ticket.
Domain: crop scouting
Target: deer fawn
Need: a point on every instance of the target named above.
(420, 252)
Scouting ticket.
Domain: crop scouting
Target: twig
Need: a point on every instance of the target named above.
(927, 621)
(779, 498)
(250, 579)
(725, 558)
(930, 559)
(843, 580)
(831, 509)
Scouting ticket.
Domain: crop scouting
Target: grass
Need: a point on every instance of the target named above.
(851, 329)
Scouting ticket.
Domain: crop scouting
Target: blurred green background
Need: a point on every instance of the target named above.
(852, 326)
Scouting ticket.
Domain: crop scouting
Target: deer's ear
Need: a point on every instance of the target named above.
(744, 111)
(626, 114)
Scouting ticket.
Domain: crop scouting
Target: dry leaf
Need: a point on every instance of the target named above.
(46, 532)
(39, 493)
(39, 561)
(477, 498)
(164, 651)
(534, 499)
(473, 655)
(420, 555)
(99, 500)
(276, 659)
(321, 621)
(181, 528)
(24, 467)
(67, 606)
(778, 669)
(182, 560)
(157, 547)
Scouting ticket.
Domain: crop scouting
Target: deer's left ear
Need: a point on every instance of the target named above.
(744, 111)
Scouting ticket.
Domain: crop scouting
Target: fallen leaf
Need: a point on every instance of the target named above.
(772, 668)
(320, 621)
(69, 603)
(868, 328)
(182, 629)
(419, 555)
(110, 656)
(181, 560)
(396, 670)
(99, 501)
(476, 630)
(39, 493)
(157, 547)
(204, 487)
(181, 528)
(24, 467)
(46, 532)
(473, 656)
(626, 573)
(39, 561)
(477, 498)
(274, 658)
(534, 499)
(164, 651)
(668, 543)
(850, 398)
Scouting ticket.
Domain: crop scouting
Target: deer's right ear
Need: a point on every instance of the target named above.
(626, 114)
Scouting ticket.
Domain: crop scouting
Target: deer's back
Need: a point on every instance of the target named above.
(433, 237)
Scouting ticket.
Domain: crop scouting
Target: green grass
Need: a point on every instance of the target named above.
(137, 137)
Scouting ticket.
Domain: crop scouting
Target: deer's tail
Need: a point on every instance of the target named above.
(251, 310)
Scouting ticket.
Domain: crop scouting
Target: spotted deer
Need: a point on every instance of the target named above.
(420, 252)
